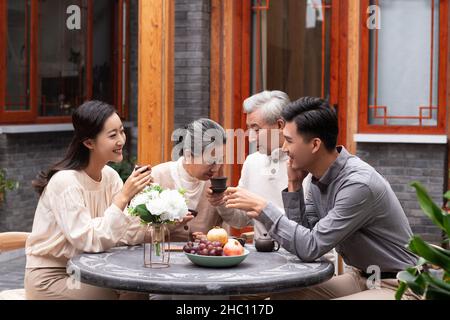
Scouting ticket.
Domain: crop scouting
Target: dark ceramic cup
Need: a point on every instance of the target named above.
(218, 184)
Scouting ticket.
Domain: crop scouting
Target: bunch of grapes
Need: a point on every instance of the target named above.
(204, 248)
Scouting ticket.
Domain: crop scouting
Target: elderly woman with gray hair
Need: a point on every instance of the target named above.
(201, 150)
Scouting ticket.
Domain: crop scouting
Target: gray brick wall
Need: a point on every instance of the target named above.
(23, 156)
(401, 164)
(192, 60)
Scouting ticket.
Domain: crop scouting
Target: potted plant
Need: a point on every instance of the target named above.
(431, 277)
(6, 185)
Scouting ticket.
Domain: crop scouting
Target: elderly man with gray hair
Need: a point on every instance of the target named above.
(264, 172)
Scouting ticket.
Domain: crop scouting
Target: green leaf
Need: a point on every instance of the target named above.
(437, 282)
(421, 262)
(400, 291)
(406, 276)
(143, 213)
(427, 204)
(447, 224)
(435, 293)
(423, 249)
(415, 282)
(441, 250)
(11, 184)
(447, 195)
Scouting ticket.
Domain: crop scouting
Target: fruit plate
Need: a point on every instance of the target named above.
(217, 261)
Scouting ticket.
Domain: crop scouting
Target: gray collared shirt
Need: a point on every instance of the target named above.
(351, 208)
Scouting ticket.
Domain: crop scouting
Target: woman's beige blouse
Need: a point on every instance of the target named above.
(75, 214)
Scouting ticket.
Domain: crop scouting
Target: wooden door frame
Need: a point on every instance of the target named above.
(155, 80)
(230, 67)
(120, 74)
(339, 63)
(231, 38)
(447, 184)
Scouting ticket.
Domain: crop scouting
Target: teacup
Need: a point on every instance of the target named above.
(218, 184)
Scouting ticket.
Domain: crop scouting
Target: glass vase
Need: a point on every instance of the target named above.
(157, 246)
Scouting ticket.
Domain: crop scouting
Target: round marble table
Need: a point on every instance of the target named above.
(122, 268)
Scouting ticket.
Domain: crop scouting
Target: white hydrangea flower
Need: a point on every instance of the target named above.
(153, 194)
(139, 199)
(157, 206)
(176, 203)
(169, 205)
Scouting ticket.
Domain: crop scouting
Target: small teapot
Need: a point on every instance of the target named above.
(266, 244)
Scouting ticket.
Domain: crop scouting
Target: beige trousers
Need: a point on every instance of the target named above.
(349, 286)
(56, 284)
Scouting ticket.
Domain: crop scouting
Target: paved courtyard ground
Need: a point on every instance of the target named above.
(12, 272)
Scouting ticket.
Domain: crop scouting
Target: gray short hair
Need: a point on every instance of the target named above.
(270, 102)
(202, 134)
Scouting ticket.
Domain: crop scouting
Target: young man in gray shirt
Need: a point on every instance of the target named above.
(350, 207)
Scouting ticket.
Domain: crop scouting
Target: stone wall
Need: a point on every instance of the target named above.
(401, 164)
(23, 156)
(192, 60)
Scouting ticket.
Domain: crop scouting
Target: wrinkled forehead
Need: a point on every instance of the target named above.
(215, 150)
(255, 118)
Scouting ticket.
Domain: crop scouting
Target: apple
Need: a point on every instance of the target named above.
(217, 234)
(233, 248)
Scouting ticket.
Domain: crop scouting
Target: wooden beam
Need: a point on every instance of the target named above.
(447, 186)
(89, 51)
(230, 67)
(119, 66)
(230, 71)
(215, 59)
(34, 45)
(3, 33)
(354, 11)
(221, 76)
(340, 62)
(155, 80)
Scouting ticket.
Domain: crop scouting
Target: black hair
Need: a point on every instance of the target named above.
(314, 118)
(88, 121)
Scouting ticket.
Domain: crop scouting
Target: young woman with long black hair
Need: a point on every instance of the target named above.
(82, 206)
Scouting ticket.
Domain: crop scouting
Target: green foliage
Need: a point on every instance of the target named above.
(6, 184)
(447, 195)
(420, 279)
(124, 168)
